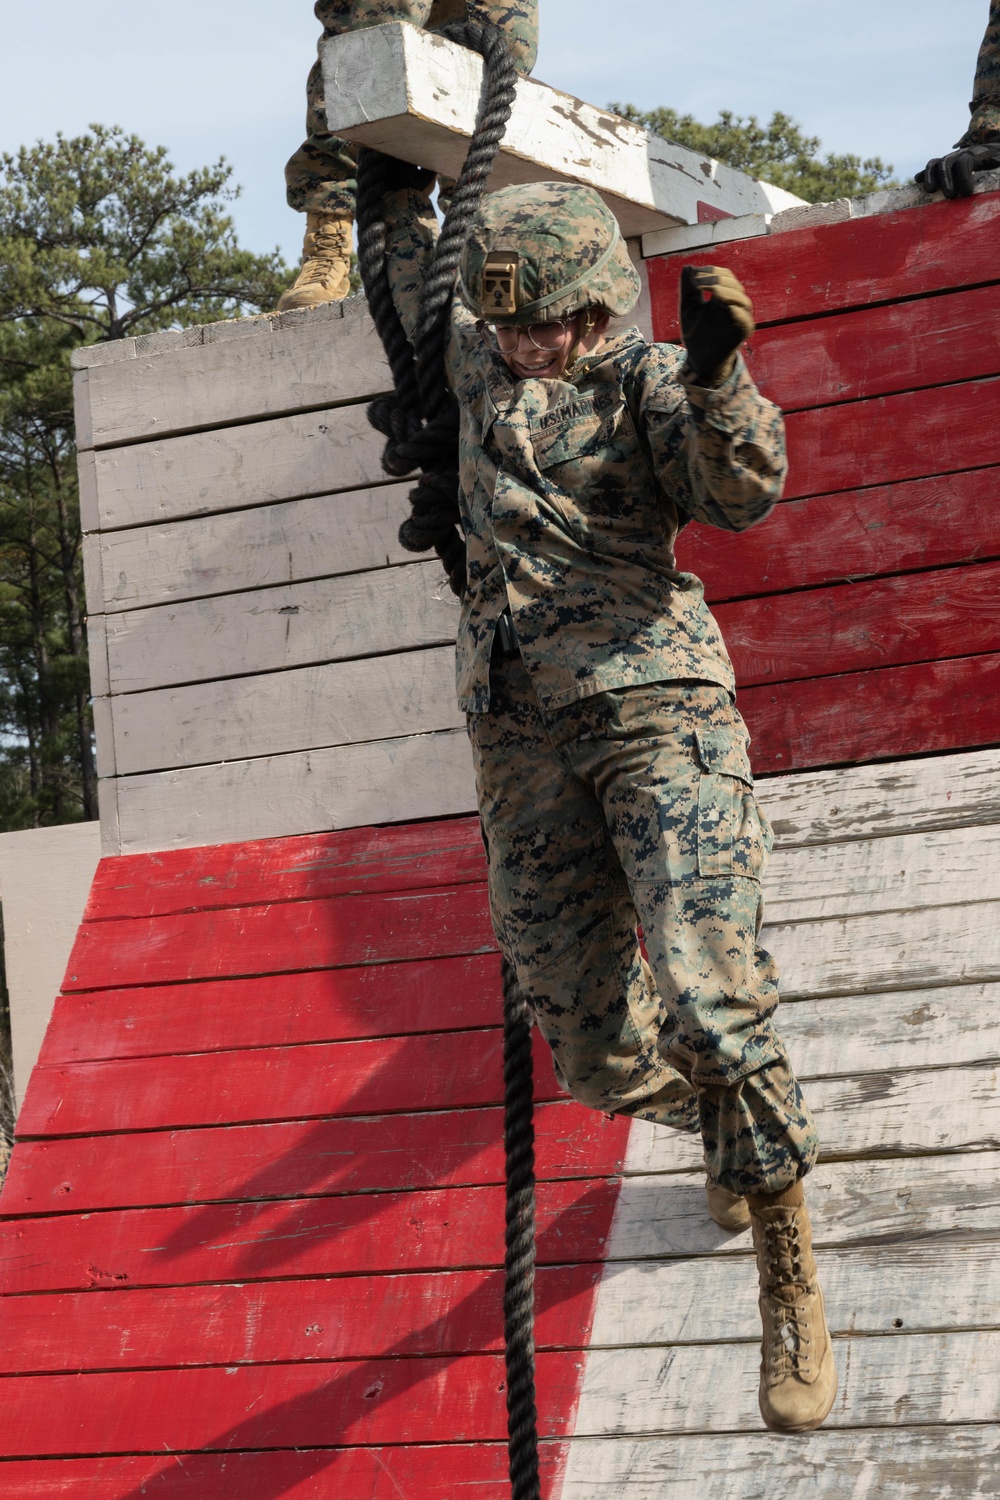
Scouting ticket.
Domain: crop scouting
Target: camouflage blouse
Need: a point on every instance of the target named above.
(573, 492)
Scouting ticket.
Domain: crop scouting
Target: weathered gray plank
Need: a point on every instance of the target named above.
(921, 1288)
(327, 619)
(384, 697)
(283, 365)
(416, 95)
(907, 796)
(852, 1203)
(248, 549)
(884, 1114)
(97, 655)
(311, 453)
(388, 781)
(897, 1381)
(911, 1463)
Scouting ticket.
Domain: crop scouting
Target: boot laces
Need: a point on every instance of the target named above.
(787, 1283)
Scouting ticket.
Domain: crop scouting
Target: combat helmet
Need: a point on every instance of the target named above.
(543, 250)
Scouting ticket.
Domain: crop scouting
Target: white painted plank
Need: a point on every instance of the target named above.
(920, 1288)
(416, 96)
(327, 619)
(888, 950)
(883, 1382)
(939, 867)
(284, 365)
(249, 549)
(909, 1463)
(388, 781)
(905, 796)
(945, 1109)
(309, 453)
(384, 697)
(855, 1203)
(45, 878)
(921, 1028)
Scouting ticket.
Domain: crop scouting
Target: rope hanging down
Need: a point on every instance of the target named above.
(420, 419)
(420, 422)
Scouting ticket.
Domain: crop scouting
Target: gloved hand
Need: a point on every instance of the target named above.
(952, 174)
(716, 317)
(401, 174)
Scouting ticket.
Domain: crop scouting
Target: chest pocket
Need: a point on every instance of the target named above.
(582, 432)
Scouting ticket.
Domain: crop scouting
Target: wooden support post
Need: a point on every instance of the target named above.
(415, 96)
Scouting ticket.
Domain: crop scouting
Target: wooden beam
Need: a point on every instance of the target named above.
(415, 96)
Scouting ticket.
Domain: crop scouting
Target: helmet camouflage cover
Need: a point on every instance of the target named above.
(540, 251)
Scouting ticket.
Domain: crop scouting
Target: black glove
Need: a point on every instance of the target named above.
(401, 174)
(713, 329)
(952, 174)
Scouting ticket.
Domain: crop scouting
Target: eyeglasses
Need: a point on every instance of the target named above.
(506, 336)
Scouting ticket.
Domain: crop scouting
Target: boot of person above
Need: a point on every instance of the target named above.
(326, 263)
(798, 1378)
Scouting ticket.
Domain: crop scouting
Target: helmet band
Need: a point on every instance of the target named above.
(563, 291)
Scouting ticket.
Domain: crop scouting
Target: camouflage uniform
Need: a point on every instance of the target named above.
(611, 764)
(985, 106)
(320, 177)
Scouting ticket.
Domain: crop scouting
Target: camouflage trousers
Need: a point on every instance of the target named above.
(320, 177)
(985, 124)
(635, 806)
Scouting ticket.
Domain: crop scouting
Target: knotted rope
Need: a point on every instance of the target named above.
(420, 422)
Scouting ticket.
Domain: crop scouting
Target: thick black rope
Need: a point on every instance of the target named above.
(519, 1261)
(420, 418)
(420, 423)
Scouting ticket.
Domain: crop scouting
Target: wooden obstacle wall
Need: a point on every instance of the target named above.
(252, 1228)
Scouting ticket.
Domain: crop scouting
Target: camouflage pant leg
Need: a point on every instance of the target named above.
(564, 918)
(985, 124)
(667, 768)
(320, 177)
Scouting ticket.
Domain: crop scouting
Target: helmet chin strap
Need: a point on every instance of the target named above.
(590, 323)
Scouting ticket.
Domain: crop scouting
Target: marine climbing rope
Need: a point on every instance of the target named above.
(420, 423)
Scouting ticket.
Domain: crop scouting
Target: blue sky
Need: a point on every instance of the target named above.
(890, 78)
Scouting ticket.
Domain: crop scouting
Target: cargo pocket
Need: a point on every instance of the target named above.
(732, 837)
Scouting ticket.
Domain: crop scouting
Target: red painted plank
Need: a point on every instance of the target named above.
(853, 627)
(385, 1153)
(346, 1317)
(879, 351)
(472, 1472)
(337, 933)
(350, 861)
(893, 437)
(277, 1406)
(446, 1070)
(444, 994)
(924, 523)
(925, 709)
(802, 272)
(374, 1233)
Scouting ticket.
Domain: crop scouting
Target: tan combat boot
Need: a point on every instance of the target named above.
(798, 1379)
(326, 263)
(726, 1209)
